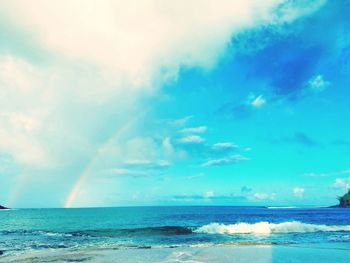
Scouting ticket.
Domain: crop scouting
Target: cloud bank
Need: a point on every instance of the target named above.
(99, 63)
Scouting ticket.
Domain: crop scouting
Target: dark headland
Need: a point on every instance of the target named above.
(3, 207)
(344, 201)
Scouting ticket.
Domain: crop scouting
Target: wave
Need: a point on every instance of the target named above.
(22, 232)
(266, 228)
(162, 230)
(146, 231)
(260, 228)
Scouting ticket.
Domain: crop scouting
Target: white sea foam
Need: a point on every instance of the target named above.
(266, 228)
(294, 207)
(282, 207)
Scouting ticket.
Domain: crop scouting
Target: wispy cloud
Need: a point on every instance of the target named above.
(208, 196)
(180, 122)
(140, 168)
(244, 109)
(224, 146)
(196, 148)
(233, 159)
(258, 101)
(192, 139)
(147, 164)
(264, 196)
(328, 173)
(200, 129)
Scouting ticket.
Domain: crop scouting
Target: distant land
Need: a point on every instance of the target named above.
(344, 201)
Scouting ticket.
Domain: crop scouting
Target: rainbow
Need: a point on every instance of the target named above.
(21, 181)
(69, 201)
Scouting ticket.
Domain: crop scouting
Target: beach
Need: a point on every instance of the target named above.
(175, 234)
(193, 254)
(190, 131)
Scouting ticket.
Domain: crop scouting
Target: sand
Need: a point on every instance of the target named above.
(197, 254)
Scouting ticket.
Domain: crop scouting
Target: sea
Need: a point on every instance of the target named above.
(27, 230)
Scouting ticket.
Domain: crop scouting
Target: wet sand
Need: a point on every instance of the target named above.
(196, 254)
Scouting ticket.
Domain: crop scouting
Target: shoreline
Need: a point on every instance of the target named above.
(192, 254)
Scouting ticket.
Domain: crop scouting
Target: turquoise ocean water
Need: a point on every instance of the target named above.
(23, 230)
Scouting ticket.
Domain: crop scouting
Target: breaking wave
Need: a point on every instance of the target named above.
(260, 228)
(294, 207)
(266, 228)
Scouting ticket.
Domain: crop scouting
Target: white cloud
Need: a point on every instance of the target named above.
(41, 115)
(224, 146)
(22, 121)
(343, 183)
(200, 129)
(109, 53)
(140, 168)
(24, 149)
(145, 164)
(264, 196)
(258, 101)
(20, 134)
(328, 173)
(225, 160)
(116, 34)
(298, 192)
(291, 10)
(318, 83)
(22, 95)
(170, 152)
(99, 62)
(191, 139)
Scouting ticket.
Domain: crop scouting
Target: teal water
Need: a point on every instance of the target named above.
(132, 227)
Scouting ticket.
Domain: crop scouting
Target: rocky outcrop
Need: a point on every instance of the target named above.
(344, 201)
(3, 207)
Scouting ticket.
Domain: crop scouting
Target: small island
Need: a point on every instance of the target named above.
(3, 207)
(344, 201)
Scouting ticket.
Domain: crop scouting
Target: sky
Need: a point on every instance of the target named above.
(148, 102)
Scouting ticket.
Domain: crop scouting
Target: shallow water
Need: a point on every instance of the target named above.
(25, 230)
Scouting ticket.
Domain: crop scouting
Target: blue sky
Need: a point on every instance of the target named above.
(107, 103)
